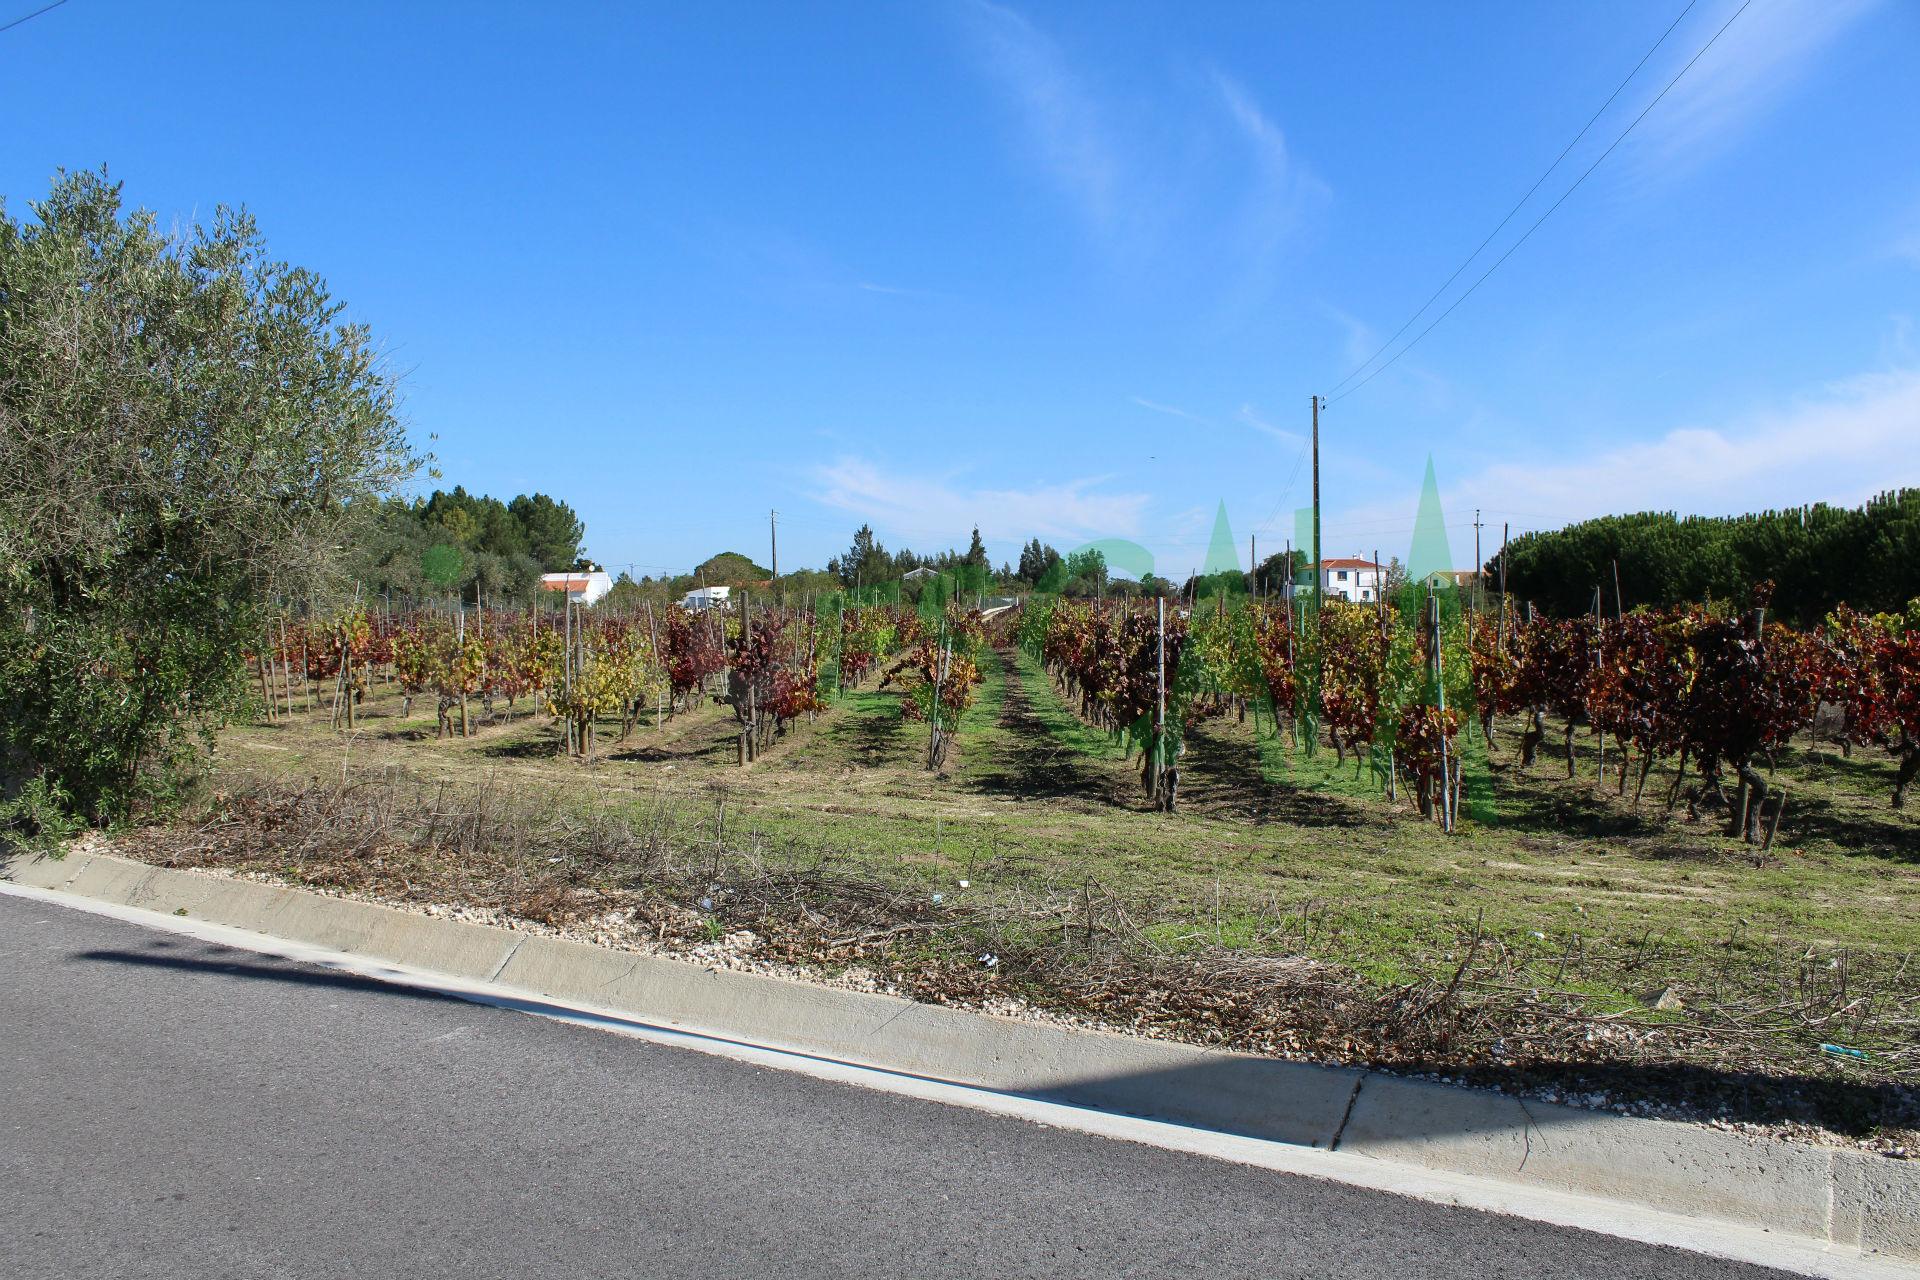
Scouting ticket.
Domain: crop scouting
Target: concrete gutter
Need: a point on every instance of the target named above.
(1846, 1204)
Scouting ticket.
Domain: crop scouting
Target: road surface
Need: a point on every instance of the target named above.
(174, 1108)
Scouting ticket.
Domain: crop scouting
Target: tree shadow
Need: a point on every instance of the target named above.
(1571, 807)
(1856, 1108)
(722, 748)
(1814, 819)
(1580, 809)
(1032, 764)
(159, 955)
(1867, 766)
(871, 737)
(522, 749)
(1222, 777)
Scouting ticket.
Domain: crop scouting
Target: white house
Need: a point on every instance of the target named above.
(581, 588)
(700, 599)
(1352, 579)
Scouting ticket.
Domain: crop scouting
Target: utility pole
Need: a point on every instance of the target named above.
(1506, 529)
(1473, 601)
(1316, 510)
(1159, 764)
(1288, 560)
(773, 542)
(1506, 533)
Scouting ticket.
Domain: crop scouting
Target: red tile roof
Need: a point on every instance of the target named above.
(1348, 564)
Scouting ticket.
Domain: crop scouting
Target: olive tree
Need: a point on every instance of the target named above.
(185, 425)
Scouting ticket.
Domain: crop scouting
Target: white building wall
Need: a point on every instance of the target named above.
(1357, 584)
(598, 585)
(706, 598)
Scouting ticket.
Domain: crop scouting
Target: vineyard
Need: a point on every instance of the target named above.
(770, 664)
(1406, 698)
(1658, 838)
(1715, 695)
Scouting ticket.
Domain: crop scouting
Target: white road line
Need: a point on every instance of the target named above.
(1631, 1222)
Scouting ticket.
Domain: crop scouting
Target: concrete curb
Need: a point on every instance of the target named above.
(1848, 1199)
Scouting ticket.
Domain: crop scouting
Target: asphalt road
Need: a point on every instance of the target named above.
(174, 1109)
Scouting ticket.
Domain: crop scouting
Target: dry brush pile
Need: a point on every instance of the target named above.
(667, 871)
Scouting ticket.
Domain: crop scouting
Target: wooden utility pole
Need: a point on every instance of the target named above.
(1448, 767)
(1316, 510)
(1288, 596)
(773, 544)
(1505, 528)
(1473, 601)
(1600, 770)
(566, 669)
(1160, 705)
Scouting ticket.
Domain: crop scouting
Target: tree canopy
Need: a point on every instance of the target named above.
(1036, 559)
(730, 569)
(185, 426)
(457, 541)
(1817, 557)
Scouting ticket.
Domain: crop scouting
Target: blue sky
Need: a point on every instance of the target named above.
(1070, 270)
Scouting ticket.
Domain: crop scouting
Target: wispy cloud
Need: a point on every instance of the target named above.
(1897, 349)
(1749, 72)
(1247, 415)
(777, 264)
(1063, 122)
(1172, 411)
(1843, 444)
(1251, 416)
(928, 506)
(1359, 339)
(897, 291)
(1907, 246)
(1190, 168)
(1281, 192)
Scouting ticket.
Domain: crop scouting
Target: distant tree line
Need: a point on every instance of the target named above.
(1817, 557)
(866, 562)
(458, 542)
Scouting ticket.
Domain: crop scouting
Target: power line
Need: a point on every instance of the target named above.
(1279, 502)
(30, 17)
(1587, 173)
(1518, 204)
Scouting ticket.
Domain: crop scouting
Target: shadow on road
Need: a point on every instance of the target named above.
(292, 972)
(1267, 1097)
